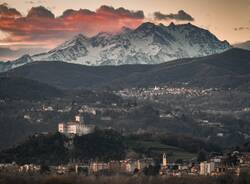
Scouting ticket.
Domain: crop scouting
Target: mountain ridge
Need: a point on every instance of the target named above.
(228, 69)
(147, 44)
(243, 45)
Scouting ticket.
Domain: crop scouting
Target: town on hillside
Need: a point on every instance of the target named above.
(215, 165)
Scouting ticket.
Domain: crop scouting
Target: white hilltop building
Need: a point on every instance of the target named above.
(77, 127)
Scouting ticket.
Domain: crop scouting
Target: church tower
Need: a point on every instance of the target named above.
(138, 164)
(164, 160)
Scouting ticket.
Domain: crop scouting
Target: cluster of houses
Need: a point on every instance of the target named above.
(220, 165)
(213, 167)
(99, 112)
(145, 93)
(15, 168)
(234, 163)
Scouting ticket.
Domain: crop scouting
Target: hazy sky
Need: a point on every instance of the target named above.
(227, 19)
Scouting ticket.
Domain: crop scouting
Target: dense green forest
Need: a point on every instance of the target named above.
(103, 145)
(21, 89)
(54, 149)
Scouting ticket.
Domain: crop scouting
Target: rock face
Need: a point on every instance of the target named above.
(147, 44)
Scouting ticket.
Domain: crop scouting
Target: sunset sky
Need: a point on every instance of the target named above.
(46, 26)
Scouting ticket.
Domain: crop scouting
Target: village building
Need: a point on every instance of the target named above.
(164, 165)
(77, 127)
(207, 168)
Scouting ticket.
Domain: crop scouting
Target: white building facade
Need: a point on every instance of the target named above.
(78, 127)
(206, 168)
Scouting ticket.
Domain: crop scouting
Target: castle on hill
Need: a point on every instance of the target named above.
(76, 127)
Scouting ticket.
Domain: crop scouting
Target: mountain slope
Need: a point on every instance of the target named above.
(5, 66)
(147, 44)
(10, 54)
(20, 88)
(17, 96)
(228, 69)
(244, 45)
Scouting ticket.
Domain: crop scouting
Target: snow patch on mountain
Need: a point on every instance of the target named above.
(147, 44)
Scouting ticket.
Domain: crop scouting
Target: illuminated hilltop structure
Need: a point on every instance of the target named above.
(77, 127)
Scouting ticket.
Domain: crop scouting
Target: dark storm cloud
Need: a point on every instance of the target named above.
(40, 11)
(81, 12)
(40, 24)
(180, 16)
(6, 12)
(106, 11)
(120, 12)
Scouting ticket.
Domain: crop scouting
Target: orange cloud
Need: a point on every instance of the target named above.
(40, 24)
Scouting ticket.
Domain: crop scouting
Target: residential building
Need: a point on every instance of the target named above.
(206, 168)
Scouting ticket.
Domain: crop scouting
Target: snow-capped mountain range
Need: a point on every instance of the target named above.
(147, 44)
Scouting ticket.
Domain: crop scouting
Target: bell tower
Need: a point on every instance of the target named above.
(164, 160)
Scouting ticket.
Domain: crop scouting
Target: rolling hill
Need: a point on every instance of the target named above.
(20, 88)
(228, 69)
